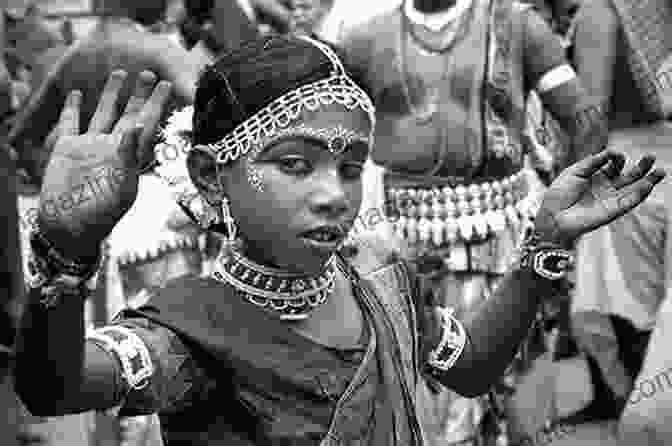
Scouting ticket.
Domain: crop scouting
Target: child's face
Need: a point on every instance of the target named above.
(295, 200)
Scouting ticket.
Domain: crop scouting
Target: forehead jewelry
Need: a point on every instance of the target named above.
(278, 115)
(281, 113)
(337, 140)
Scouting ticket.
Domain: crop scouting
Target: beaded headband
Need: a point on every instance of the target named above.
(275, 118)
(338, 88)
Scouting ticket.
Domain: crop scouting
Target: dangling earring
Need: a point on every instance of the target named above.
(231, 237)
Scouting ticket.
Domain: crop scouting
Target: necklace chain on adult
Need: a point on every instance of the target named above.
(423, 117)
(450, 34)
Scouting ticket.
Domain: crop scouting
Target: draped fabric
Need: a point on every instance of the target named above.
(230, 374)
(648, 30)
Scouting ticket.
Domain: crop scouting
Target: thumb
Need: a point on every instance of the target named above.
(128, 147)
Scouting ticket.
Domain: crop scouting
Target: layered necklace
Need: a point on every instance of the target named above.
(291, 296)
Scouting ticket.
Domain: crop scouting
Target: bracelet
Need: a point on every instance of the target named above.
(548, 260)
(54, 275)
(55, 261)
(451, 346)
(55, 286)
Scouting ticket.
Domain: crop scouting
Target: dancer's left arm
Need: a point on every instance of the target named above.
(548, 71)
(587, 195)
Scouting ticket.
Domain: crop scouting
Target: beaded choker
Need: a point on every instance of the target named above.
(292, 296)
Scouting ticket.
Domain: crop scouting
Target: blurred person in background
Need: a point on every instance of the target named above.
(219, 25)
(623, 53)
(119, 40)
(450, 93)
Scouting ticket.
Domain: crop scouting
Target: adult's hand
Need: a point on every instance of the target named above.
(92, 178)
(592, 193)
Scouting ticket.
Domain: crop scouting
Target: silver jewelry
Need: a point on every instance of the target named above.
(292, 296)
(451, 345)
(337, 140)
(130, 350)
(338, 88)
(548, 260)
(228, 221)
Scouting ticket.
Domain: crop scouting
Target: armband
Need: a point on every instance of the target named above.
(133, 355)
(451, 345)
(555, 77)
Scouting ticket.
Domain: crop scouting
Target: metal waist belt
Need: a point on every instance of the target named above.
(444, 215)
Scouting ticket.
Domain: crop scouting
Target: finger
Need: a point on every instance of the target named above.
(128, 148)
(635, 173)
(615, 166)
(106, 111)
(591, 164)
(143, 90)
(150, 117)
(632, 195)
(68, 122)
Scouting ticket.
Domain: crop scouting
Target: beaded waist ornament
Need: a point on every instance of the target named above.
(441, 216)
(291, 296)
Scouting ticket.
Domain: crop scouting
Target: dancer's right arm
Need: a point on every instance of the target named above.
(90, 183)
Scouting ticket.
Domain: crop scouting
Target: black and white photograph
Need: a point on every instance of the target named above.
(335, 222)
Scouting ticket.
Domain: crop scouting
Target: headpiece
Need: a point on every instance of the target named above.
(290, 295)
(253, 133)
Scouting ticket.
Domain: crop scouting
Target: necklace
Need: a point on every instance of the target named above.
(292, 296)
(424, 114)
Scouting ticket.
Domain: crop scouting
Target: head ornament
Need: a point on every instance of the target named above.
(276, 117)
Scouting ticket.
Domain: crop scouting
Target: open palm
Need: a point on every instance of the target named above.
(92, 178)
(592, 193)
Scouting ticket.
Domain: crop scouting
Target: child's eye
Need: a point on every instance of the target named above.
(295, 165)
(352, 171)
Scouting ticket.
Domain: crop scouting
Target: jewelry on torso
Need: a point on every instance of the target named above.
(291, 296)
(425, 113)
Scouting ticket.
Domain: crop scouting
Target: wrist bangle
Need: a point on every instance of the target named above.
(54, 286)
(56, 276)
(55, 262)
(548, 260)
(451, 345)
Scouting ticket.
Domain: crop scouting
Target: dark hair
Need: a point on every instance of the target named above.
(245, 80)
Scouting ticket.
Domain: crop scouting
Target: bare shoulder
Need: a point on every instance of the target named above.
(597, 15)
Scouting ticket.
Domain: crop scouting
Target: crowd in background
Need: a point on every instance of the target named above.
(585, 360)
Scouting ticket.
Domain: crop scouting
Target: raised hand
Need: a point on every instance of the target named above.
(592, 193)
(92, 178)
